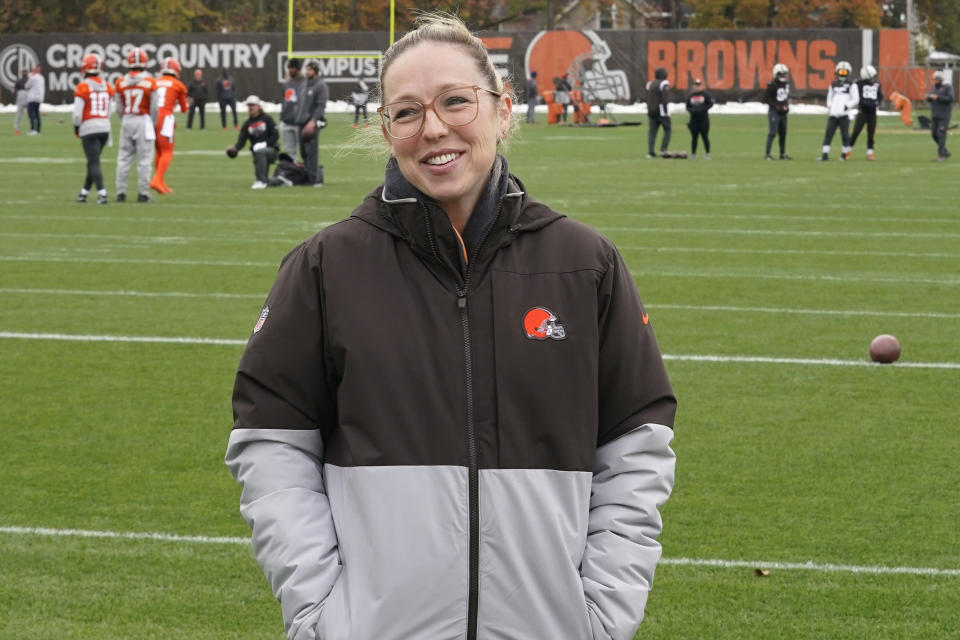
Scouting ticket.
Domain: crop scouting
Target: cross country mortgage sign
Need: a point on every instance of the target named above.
(613, 65)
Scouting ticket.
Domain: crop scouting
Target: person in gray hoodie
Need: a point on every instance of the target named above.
(293, 89)
(940, 98)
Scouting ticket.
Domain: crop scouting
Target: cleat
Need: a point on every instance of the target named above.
(770, 157)
(706, 157)
(121, 197)
(102, 199)
(144, 197)
(157, 187)
(258, 185)
(870, 155)
(823, 158)
(784, 156)
(845, 156)
(81, 197)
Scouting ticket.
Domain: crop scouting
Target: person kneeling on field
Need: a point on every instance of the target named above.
(262, 133)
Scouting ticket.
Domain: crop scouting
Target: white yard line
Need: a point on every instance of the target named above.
(829, 362)
(11, 335)
(795, 252)
(786, 276)
(681, 307)
(815, 312)
(809, 566)
(695, 562)
(187, 263)
(135, 294)
(781, 232)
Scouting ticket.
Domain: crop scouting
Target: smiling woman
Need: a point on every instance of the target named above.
(497, 471)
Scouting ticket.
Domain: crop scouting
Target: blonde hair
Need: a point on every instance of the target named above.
(432, 26)
(437, 26)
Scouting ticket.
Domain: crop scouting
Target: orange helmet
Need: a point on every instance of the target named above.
(539, 323)
(170, 66)
(91, 64)
(137, 58)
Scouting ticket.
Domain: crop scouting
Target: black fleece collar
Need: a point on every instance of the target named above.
(396, 189)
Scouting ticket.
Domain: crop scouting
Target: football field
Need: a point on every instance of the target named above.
(838, 479)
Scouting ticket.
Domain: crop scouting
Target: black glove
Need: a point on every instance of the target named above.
(76, 130)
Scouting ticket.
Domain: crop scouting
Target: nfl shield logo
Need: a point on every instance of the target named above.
(262, 319)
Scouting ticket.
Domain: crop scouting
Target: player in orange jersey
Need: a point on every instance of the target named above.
(91, 122)
(170, 93)
(137, 104)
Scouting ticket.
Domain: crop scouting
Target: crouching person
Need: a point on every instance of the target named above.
(261, 130)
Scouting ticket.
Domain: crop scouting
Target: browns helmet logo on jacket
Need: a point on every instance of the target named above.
(539, 323)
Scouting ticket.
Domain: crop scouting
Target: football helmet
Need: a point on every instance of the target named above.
(171, 67)
(137, 58)
(868, 72)
(843, 70)
(581, 54)
(539, 323)
(91, 64)
(780, 72)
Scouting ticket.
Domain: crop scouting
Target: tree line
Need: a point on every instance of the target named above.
(940, 19)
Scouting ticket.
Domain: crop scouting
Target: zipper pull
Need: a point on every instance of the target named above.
(461, 299)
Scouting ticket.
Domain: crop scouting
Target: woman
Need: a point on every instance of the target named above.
(452, 419)
(91, 122)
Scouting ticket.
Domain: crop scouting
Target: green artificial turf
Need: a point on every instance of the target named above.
(779, 464)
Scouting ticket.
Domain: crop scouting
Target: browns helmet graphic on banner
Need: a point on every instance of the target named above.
(539, 323)
(582, 55)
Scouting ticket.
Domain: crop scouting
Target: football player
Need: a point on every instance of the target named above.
(841, 96)
(868, 87)
(170, 93)
(657, 111)
(91, 122)
(777, 98)
(137, 104)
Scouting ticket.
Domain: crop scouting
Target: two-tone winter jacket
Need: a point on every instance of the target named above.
(446, 440)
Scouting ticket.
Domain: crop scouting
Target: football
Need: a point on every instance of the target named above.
(884, 349)
(231, 152)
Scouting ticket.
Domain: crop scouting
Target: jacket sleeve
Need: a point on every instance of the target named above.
(273, 135)
(633, 467)
(282, 412)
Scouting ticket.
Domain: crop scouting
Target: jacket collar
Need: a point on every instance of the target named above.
(503, 211)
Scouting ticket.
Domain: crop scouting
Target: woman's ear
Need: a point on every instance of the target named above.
(506, 110)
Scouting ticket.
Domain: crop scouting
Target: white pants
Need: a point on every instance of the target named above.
(134, 141)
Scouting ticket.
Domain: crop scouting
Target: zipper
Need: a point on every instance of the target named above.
(473, 471)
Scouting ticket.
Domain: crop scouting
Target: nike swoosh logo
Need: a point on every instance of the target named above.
(645, 317)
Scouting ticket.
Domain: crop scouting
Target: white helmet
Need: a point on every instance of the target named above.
(843, 69)
(868, 72)
(780, 71)
(940, 75)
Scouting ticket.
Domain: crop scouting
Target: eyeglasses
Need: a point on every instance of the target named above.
(455, 107)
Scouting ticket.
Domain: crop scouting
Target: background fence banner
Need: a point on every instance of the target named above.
(610, 66)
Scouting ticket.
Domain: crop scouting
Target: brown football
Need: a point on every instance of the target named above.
(884, 349)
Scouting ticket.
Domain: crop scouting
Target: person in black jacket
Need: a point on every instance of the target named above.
(261, 130)
(657, 111)
(227, 97)
(451, 418)
(940, 98)
(699, 103)
(197, 96)
(777, 98)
